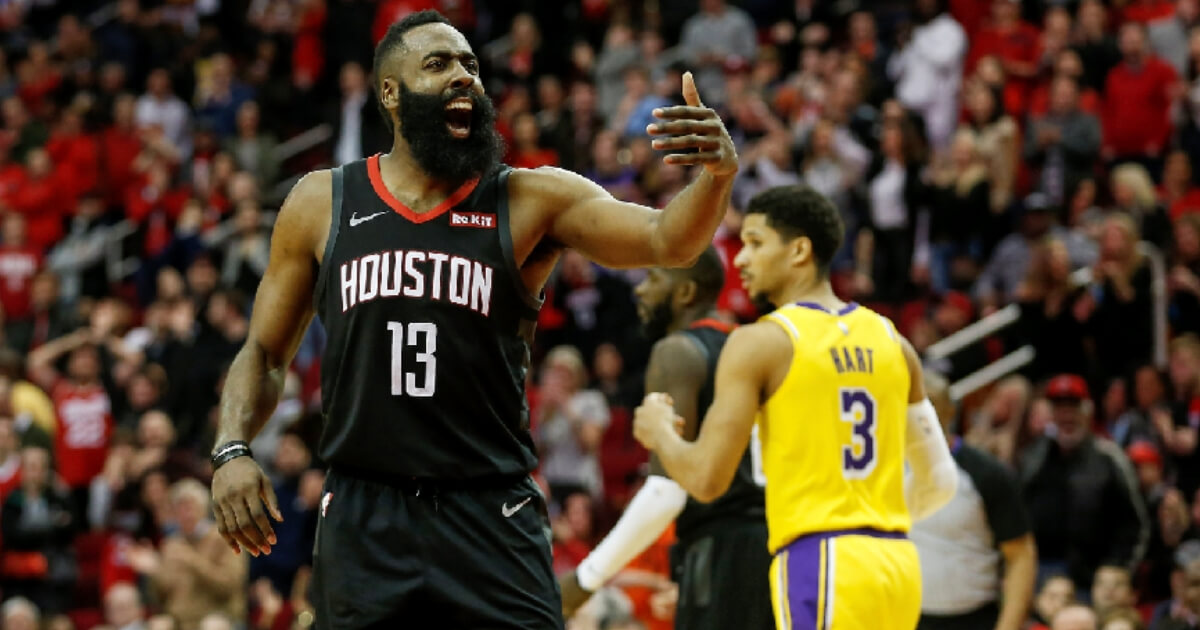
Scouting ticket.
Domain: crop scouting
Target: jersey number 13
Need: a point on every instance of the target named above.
(420, 381)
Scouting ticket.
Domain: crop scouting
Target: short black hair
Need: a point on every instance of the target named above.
(708, 272)
(392, 41)
(796, 211)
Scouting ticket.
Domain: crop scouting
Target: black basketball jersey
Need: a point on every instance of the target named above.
(744, 500)
(429, 327)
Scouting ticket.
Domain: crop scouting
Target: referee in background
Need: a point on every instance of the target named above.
(978, 558)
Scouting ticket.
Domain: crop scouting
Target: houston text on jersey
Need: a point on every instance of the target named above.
(416, 274)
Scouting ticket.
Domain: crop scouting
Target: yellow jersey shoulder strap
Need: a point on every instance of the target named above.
(779, 317)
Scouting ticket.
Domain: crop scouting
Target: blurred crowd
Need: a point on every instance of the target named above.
(983, 154)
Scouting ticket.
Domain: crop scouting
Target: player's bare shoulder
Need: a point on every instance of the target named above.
(304, 218)
(761, 351)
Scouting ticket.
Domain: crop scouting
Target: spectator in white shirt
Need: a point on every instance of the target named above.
(928, 70)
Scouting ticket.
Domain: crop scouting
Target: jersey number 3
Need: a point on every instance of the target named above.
(412, 383)
(858, 408)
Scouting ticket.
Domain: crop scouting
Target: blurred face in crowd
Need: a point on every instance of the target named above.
(981, 102)
(352, 79)
(122, 605)
(1092, 17)
(1068, 64)
(963, 151)
(438, 101)
(1057, 24)
(143, 392)
(291, 458)
(1178, 169)
(170, 284)
(202, 276)
(1191, 592)
(39, 164)
(1074, 618)
(155, 430)
(1194, 43)
(1132, 41)
(1148, 387)
(1115, 241)
(161, 622)
(1058, 261)
(43, 293)
(1111, 588)
(84, 364)
(248, 118)
(525, 131)
(862, 27)
(1055, 595)
(891, 141)
(1184, 367)
(822, 137)
(158, 83)
(8, 439)
(189, 511)
(35, 468)
(14, 229)
(604, 152)
(1064, 95)
(1187, 240)
(549, 92)
(20, 619)
(578, 512)
(1005, 12)
(607, 363)
(1115, 399)
(1072, 418)
(1187, 10)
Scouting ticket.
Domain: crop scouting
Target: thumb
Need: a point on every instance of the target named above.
(268, 495)
(690, 95)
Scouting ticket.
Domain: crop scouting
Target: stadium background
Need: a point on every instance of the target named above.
(983, 154)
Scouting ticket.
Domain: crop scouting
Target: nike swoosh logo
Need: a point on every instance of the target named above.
(509, 511)
(355, 220)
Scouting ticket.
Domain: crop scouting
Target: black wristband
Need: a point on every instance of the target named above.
(228, 451)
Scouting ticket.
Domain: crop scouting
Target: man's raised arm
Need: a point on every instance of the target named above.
(584, 216)
(282, 311)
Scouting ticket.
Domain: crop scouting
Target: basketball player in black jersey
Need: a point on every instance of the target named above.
(720, 561)
(425, 265)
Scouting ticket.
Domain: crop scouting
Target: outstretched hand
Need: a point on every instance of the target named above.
(694, 126)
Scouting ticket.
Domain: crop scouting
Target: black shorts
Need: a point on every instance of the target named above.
(412, 555)
(724, 579)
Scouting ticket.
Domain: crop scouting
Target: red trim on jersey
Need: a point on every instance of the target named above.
(709, 322)
(386, 195)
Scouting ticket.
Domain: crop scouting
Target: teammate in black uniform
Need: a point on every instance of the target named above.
(423, 265)
(720, 561)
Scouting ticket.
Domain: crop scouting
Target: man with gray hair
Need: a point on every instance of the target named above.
(19, 613)
(123, 608)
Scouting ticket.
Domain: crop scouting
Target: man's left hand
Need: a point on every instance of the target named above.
(694, 126)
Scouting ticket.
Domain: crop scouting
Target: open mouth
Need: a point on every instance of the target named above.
(458, 117)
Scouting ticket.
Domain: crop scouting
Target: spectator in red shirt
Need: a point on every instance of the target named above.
(76, 154)
(83, 407)
(19, 263)
(1066, 64)
(41, 198)
(1016, 43)
(120, 145)
(12, 174)
(526, 151)
(1137, 101)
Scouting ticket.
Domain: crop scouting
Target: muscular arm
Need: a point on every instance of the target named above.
(618, 234)
(1020, 569)
(678, 368)
(282, 312)
(706, 466)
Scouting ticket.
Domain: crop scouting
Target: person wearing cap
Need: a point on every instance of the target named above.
(1148, 464)
(1073, 482)
(963, 545)
(1009, 263)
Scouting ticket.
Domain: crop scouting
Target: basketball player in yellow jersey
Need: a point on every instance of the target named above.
(840, 406)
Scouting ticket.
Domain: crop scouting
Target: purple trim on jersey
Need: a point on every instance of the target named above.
(817, 307)
(803, 574)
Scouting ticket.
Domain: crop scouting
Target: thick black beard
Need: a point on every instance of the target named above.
(660, 320)
(436, 151)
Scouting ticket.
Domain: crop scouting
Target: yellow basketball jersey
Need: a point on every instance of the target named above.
(833, 434)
